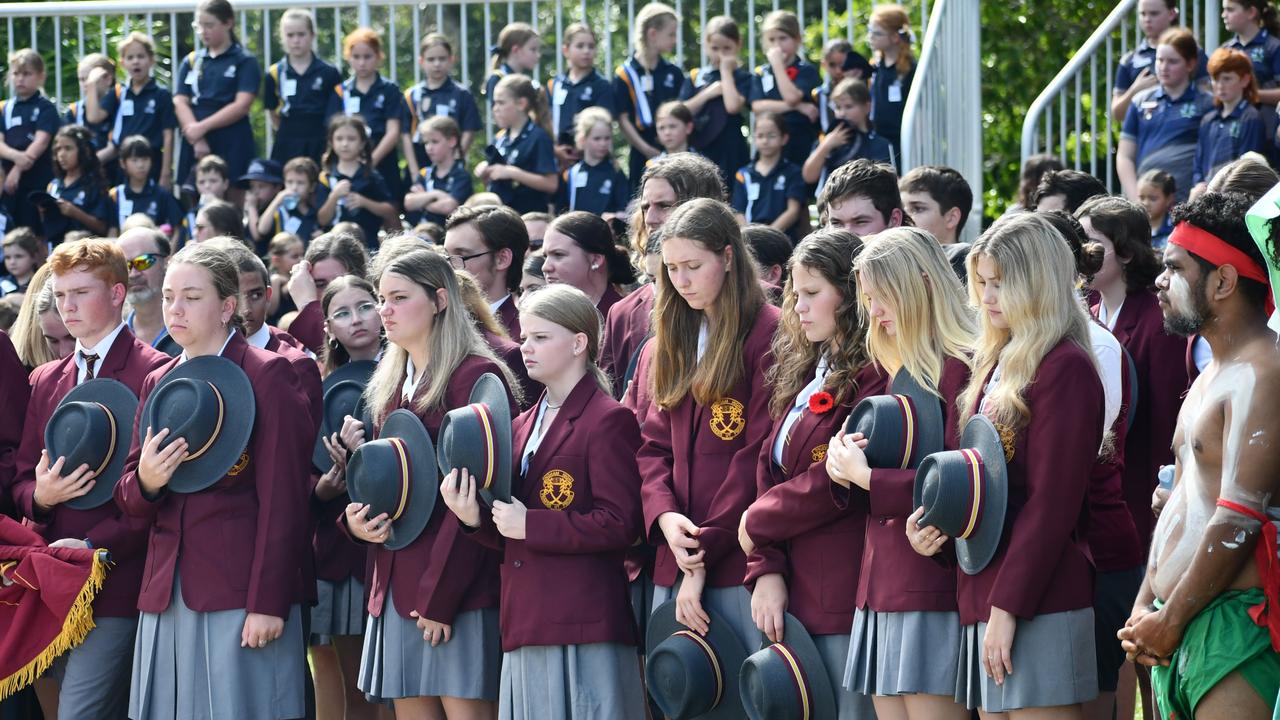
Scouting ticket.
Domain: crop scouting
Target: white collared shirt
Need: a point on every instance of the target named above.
(101, 350)
(493, 306)
(260, 338)
(410, 385)
(703, 332)
(230, 334)
(798, 408)
(535, 438)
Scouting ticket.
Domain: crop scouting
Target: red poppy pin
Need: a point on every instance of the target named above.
(821, 402)
(793, 73)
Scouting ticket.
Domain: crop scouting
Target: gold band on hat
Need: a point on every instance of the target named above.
(908, 429)
(973, 461)
(711, 656)
(398, 444)
(482, 412)
(106, 459)
(217, 428)
(801, 685)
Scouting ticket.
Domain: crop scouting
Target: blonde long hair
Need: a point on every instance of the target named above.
(911, 274)
(28, 338)
(676, 368)
(453, 337)
(571, 309)
(1039, 301)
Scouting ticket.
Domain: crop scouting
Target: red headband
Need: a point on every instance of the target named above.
(1216, 250)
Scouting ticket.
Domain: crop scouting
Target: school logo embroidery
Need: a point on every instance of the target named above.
(726, 418)
(819, 453)
(230, 73)
(781, 183)
(150, 109)
(1257, 54)
(606, 187)
(670, 81)
(557, 490)
(239, 466)
(151, 209)
(1188, 110)
(377, 102)
(1008, 436)
(317, 84)
(511, 155)
(1234, 129)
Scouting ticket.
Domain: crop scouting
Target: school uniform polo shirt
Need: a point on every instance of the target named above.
(295, 221)
(861, 145)
(23, 118)
(1144, 57)
(456, 182)
(1160, 235)
(569, 98)
(213, 82)
(529, 150)
(148, 112)
(1223, 139)
(1264, 51)
(596, 189)
(451, 99)
(153, 201)
(762, 198)
(1155, 120)
(497, 74)
(367, 182)
(307, 96)
(889, 99)
(101, 131)
(381, 103)
(727, 147)
(800, 130)
(88, 195)
(638, 93)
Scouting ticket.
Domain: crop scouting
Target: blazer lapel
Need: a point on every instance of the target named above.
(118, 356)
(562, 425)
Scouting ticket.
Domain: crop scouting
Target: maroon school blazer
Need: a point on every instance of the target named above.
(439, 574)
(128, 361)
(1113, 539)
(14, 394)
(1041, 565)
(798, 531)
(625, 327)
(1161, 361)
(564, 584)
(701, 462)
(308, 327)
(284, 345)
(508, 351)
(235, 544)
(509, 315)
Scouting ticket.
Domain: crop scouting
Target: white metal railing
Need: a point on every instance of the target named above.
(76, 28)
(1072, 118)
(942, 120)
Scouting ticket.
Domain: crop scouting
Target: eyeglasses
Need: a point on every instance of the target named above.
(459, 262)
(364, 309)
(145, 261)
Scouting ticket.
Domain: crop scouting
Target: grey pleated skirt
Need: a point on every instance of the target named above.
(571, 682)
(398, 663)
(189, 665)
(903, 653)
(731, 603)
(849, 705)
(339, 610)
(1054, 664)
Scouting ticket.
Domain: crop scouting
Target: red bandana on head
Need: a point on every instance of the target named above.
(1215, 250)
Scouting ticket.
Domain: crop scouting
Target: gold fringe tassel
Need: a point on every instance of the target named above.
(74, 630)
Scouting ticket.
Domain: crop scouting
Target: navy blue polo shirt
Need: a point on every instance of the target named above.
(1144, 57)
(1264, 51)
(529, 150)
(569, 98)
(1155, 120)
(101, 131)
(22, 120)
(638, 93)
(456, 182)
(861, 145)
(822, 98)
(726, 147)
(1160, 235)
(451, 99)
(381, 103)
(889, 99)
(148, 112)
(152, 201)
(1223, 139)
(303, 224)
(308, 97)
(85, 193)
(495, 75)
(367, 182)
(800, 130)
(595, 189)
(762, 198)
(212, 82)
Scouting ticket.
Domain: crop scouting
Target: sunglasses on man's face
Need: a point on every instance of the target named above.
(145, 262)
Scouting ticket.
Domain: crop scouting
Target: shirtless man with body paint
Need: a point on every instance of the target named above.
(1191, 619)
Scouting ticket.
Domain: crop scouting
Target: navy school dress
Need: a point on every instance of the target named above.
(596, 189)
(211, 83)
(569, 98)
(638, 93)
(153, 201)
(302, 223)
(868, 145)
(23, 118)
(801, 132)
(529, 150)
(889, 100)
(367, 182)
(451, 99)
(762, 198)
(1223, 139)
(86, 193)
(148, 112)
(305, 103)
(456, 182)
(717, 135)
(100, 131)
(1166, 130)
(1264, 51)
(382, 102)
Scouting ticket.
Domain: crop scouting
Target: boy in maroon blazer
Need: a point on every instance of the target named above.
(90, 280)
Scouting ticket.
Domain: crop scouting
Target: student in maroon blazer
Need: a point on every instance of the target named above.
(625, 329)
(567, 629)
(581, 251)
(709, 417)
(328, 257)
(906, 633)
(490, 242)
(225, 557)
(431, 644)
(1129, 307)
(1027, 619)
(494, 333)
(14, 394)
(822, 371)
(90, 281)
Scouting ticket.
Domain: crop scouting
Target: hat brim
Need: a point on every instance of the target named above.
(662, 624)
(975, 552)
(488, 391)
(123, 406)
(240, 409)
(797, 638)
(424, 488)
(358, 371)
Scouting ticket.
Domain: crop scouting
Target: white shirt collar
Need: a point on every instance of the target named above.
(259, 339)
(410, 385)
(493, 306)
(703, 332)
(101, 350)
(230, 334)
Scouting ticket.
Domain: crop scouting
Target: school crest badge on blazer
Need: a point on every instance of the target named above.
(557, 490)
(819, 453)
(240, 465)
(726, 418)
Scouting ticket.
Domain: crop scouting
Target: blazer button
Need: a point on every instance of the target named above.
(517, 563)
(883, 521)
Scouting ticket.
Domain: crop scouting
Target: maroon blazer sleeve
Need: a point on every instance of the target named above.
(308, 327)
(1066, 408)
(27, 454)
(15, 393)
(1162, 364)
(487, 534)
(795, 506)
(613, 521)
(891, 492)
(657, 495)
